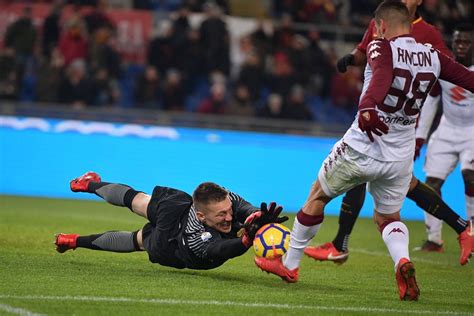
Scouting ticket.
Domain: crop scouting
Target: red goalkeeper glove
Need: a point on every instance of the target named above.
(369, 122)
(250, 228)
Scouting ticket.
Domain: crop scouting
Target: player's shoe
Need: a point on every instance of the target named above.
(327, 252)
(64, 242)
(80, 184)
(465, 242)
(275, 266)
(405, 275)
(430, 246)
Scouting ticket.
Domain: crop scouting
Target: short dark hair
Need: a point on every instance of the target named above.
(208, 192)
(392, 11)
(464, 27)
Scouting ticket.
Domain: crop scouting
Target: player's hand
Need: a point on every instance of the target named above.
(251, 226)
(271, 214)
(370, 122)
(344, 61)
(419, 142)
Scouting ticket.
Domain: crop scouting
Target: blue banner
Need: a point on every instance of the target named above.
(38, 157)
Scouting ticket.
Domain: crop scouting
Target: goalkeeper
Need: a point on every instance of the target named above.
(198, 232)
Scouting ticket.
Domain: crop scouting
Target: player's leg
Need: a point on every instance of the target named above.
(389, 189)
(428, 197)
(441, 159)
(335, 177)
(468, 177)
(396, 237)
(337, 251)
(350, 208)
(114, 241)
(307, 222)
(114, 193)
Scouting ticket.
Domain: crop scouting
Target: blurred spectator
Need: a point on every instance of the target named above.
(191, 60)
(300, 58)
(73, 43)
(102, 54)
(346, 89)
(173, 91)
(216, 103)
(457, 12)
(21, 36)
(76, 89)
(9, 78)
(241, 104)
(273, 108)
(362, 11)
(319, 11)
(51, 29)
(432, 12)
(199, 5)
(252, 75)
(105, 91)
(292, 8)
(97, 18)
(147, 89)
(320, 66)
(296, 108)
(283, 37)
(161, 51)
(181, 26)
(282, 76)
(215, 39)
(262, 38)
(49, 76)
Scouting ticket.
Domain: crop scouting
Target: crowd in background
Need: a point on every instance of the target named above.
(279, 73)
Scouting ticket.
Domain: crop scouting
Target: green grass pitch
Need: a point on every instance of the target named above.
(35, 279)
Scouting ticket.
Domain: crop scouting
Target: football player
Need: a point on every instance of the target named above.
(453, 140)
(198, 232)
(379, 146)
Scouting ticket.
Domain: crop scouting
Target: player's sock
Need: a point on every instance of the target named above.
(426, 198)
(395, 235)
(114, 193)
(110, 241)
(350, 209)
(304, 229)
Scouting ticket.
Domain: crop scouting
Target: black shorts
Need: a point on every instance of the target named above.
(165, 212)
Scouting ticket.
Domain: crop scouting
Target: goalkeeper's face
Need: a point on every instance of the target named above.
(217, 215)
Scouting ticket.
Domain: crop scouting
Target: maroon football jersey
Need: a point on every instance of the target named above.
(422, 31)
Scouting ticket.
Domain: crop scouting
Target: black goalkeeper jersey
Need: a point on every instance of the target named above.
(202, 247)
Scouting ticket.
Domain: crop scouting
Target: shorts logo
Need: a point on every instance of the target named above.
(206, 236)
(396, 230)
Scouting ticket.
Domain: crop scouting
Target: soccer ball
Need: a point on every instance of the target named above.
(271, 241)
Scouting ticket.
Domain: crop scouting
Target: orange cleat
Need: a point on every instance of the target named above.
(405, 275)
(327, 252)
(80, 184)
(64, 242)
(465, 242)
(275, 266)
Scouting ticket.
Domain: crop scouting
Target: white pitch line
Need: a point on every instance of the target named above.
(16, 310)
(230, 303)
(414, 258)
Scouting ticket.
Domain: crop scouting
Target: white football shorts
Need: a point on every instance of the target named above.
(388, 181)
(447, 147)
